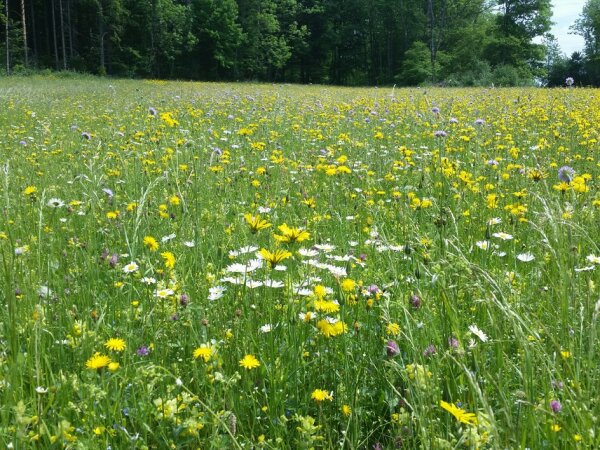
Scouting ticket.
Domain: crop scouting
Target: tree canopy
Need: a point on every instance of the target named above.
(404, 42)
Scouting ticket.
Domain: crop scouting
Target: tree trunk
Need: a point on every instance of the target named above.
(102, 34)
(33, 35)
(70, 30)
(7, 43)
(24, 22)
(62, 35)
(54, 35)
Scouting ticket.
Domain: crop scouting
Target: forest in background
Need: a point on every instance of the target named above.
(344, 42)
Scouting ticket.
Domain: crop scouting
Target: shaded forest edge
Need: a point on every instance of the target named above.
(341, 42)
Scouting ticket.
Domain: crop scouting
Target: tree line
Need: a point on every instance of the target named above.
(349, 42)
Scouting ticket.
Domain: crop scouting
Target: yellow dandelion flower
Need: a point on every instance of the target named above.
(318, 395)
(348, 285)
(275, 257)
(151, 243)
(256, 223)
(460, 414)
(320, 291)
(289, 234)
(346, 410)
(174, 200)
(98, 361)
(392, 328)
(115, 344)
(113, 366)
(555, 427)
(331, 327)
(326, 306)
(249, 362)
(29, 190)
(204, 352)
(168, 259)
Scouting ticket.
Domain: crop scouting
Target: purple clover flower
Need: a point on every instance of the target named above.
(440, 133)
(392, 349)
(429, 351)
(415, 301)
(555, 406)
(143, 351)
(453, 342)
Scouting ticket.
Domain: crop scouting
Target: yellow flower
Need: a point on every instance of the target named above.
(348, 285)
(460, 414)
(151, 243)
(326, 306)
(346, 410)
(274, 258)
(318, 395)
(174, 200)
(112, 214)
(331, 327)
(29, 190)
(291, 234)
(115, 344)
(555, 427)
(98, 361)
(256, 223)
(249, 362)
(114, 366)
(169, 259)
(204, 352)
(320, 291)
(392, 328)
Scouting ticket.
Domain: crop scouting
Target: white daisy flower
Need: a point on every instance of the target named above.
(164, 293)
(168, 238)
(148, 280)
(266, 328)
(189, 244)
(477, 332)
(216, 292)
(253, 284)
(525, 257)
(494, 221)
(275, 284)
(483, 245)
(131, 267)
(308, 252)
(503, 236)
(55, 203)
(233, 280)
(593, 259)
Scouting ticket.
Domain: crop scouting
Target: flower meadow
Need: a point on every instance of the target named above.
(189, 265)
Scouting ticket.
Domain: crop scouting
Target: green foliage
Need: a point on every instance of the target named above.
(354, 42)
(417, 68)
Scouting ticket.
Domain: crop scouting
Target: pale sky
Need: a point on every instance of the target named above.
(565, 12)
